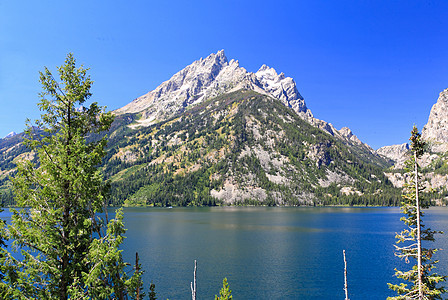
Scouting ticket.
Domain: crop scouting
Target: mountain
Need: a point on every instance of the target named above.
(211, 77)
(214, 76)
(435, 160)
(216, 133)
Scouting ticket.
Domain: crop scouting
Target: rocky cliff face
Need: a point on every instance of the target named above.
(436, 130)
(437, 126)
(435, 133)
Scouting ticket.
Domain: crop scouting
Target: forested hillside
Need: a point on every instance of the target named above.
(238, 148)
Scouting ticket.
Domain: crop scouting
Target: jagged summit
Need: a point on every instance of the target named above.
(209, 77)
(281, 87)
(216, 75)
(348, 134)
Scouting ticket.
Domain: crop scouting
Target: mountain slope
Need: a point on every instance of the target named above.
(241, 147)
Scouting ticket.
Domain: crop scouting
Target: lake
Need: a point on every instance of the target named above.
(271, 252)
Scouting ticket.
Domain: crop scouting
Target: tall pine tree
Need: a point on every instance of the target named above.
(422, 280)
(69, 248)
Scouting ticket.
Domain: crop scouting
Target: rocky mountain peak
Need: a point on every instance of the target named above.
(281, 87)
(267, 72)
(209, 77)
(212, 63)
(348, 135)
(9, 135)
(215, 75)
(436, 130)
(346, 132)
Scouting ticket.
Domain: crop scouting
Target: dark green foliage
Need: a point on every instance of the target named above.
(2, 252)
(136, 283)
(68, 247)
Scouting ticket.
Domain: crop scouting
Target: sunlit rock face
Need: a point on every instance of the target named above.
(436, 130)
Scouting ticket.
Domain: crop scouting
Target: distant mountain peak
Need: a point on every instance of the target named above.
(213, 62)
(9, 135)
(264, 68)
(396, 153)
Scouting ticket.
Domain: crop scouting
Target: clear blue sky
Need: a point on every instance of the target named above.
(374, 66)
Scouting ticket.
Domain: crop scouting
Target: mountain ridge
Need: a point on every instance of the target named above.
(214, 75)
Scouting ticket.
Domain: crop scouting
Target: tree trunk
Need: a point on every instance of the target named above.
(345, 277)
(419, 237)
(193, 285)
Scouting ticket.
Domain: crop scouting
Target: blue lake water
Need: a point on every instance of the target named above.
(271, 252)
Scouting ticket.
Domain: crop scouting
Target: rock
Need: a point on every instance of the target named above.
(396, 153)
(281, 87)
(348, 134)
(350, 190)
(397, 179)
(436, 130)
(319, 154)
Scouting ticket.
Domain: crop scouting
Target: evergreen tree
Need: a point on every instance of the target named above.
(422, 283)
(69, 248)
(225, 293)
